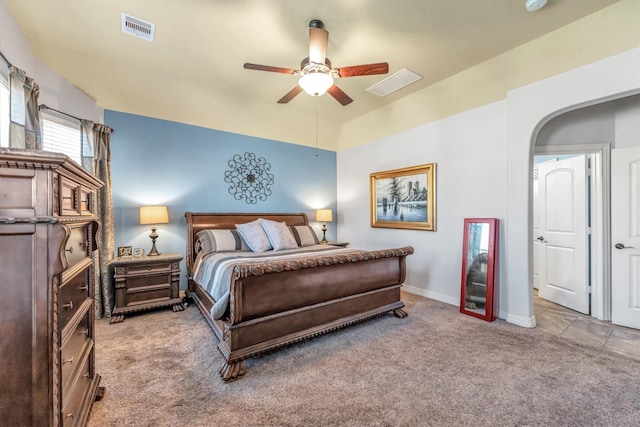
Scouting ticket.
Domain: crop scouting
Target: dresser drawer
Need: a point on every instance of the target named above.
(69, 197)
(76, 248)
(73, 399)
(86, 201)
(71, 296)
(77, 344)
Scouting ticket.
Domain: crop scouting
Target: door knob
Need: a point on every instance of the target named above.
(622, 246)
(541, 239)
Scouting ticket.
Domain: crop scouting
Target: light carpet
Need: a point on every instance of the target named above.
(436, 367)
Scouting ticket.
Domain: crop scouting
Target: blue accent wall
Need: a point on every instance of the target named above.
(158, 162)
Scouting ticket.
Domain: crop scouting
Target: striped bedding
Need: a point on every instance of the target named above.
(213, 271)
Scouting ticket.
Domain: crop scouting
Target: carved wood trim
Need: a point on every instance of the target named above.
(32, 220)
(243, 271)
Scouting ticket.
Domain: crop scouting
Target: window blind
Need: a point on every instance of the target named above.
(62, 136)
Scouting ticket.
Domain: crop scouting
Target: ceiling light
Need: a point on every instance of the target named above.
(316, 84)
(533, 5)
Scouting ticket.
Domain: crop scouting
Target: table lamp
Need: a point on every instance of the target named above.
(153, 215)
(324, 216)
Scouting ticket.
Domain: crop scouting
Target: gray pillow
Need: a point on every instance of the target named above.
(279, 235)
(304, 235)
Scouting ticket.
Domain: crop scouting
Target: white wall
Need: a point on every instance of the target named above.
(484, 159)
(529, 108)
(627, 124)
(55, 91)
(469, 150)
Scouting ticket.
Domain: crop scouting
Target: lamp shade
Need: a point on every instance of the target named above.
(324, 215)
(154, 215)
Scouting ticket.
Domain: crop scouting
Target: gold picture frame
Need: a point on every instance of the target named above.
(404, 198)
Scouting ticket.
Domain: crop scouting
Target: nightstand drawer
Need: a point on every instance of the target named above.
(148, 294)
(145, 281)
(148, 268)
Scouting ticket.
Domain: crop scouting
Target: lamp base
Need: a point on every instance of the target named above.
(324, 234)
(153, 236)
(153, 251)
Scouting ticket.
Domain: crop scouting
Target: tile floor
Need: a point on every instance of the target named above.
(584, 329)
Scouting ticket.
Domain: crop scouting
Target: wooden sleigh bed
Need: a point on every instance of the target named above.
(274, 303)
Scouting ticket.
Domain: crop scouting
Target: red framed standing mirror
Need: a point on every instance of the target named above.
(479, 267)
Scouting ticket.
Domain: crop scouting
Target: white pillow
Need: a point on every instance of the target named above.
(279, 235)
(255, 236)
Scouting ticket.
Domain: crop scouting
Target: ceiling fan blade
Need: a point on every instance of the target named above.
(364, 70)
(339, 95)
(290, 95)
(318, 39)
(259, 67)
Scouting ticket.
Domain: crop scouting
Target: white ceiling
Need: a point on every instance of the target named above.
(193, 71)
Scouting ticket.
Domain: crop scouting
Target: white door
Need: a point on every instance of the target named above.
(536, 232)
(562, 233)
(625, 237)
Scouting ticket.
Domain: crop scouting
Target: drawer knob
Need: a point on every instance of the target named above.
(64, 362)
(85, 332)
(70, 250)
(83, 288)
(69, 415)
(69, 305)
(86, 375)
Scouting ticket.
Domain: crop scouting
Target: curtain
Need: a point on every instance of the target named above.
(99, 136)
(24, 129)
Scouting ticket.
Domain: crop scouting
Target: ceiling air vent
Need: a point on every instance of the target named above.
(394, 82)
(137, 27)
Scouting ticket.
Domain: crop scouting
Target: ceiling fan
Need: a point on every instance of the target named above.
(316, 74)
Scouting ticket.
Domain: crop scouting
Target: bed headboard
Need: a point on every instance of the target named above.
(197, 221)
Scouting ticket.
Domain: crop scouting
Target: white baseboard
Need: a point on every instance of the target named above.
(526, 322)
(430, 294)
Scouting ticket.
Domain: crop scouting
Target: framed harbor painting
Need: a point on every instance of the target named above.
(404, 198)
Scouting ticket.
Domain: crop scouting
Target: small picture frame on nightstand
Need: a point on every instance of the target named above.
(124, 251)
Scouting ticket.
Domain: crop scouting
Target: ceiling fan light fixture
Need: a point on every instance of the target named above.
(533, 5)
(316, 84)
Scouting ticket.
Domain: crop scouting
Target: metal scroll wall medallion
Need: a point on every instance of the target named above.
(249, 178)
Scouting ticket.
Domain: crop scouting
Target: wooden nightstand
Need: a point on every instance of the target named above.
(342, 244)
(146, 282)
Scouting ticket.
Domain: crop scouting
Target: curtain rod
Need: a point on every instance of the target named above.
(45, 107)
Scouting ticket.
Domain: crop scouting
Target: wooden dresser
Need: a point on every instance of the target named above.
(48, 226)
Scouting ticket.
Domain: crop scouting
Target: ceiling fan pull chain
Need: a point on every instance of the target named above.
(317, 125)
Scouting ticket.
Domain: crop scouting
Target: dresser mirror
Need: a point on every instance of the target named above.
(479, 262)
